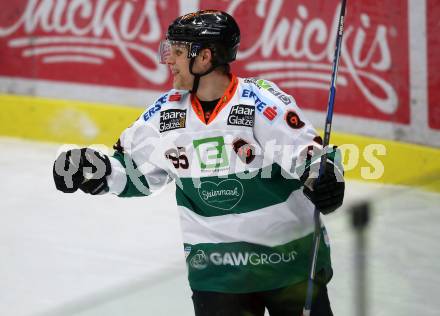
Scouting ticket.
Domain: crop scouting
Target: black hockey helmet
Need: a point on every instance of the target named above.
(213, 29)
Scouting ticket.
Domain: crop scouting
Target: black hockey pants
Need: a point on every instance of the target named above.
(288, 301)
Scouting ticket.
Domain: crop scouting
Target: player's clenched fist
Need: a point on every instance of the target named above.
(84, 169)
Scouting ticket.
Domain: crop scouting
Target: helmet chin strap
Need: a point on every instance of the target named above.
(198, 76)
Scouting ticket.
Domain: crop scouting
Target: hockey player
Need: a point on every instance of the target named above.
(236, 148)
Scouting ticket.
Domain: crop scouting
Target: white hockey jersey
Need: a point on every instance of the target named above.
(246, 224)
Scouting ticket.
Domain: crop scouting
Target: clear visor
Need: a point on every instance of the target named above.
(168, 48)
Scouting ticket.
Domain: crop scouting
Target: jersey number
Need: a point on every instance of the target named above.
(178, 157)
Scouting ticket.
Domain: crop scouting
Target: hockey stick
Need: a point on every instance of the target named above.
(328, 126)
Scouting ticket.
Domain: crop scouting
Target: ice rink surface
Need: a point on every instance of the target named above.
(74, 254)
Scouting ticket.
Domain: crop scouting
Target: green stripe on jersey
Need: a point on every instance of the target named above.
(235, 193)
(140, 188)
(243, 267)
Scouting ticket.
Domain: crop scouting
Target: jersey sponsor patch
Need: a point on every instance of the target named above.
(270, 112)
(293, 120)
(242, 115)
(175, 97)
(224, 195)
(263, 84)
(201, 260)
(149, 113)
(172, 119)
(244, 150)
(211, 153)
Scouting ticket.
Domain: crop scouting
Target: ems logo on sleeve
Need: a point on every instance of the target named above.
(293, 120)
(172, 119)
(242, 115)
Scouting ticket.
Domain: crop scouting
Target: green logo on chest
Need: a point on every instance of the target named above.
(211, 153)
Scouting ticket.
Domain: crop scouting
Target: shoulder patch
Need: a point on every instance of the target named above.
(293, 120)
(271, 88)
(175, 97)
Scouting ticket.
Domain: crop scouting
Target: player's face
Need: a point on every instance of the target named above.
(178, 62)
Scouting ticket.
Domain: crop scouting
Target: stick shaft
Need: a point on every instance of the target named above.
(326, 141)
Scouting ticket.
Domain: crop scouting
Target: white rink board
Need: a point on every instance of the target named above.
(80, 255)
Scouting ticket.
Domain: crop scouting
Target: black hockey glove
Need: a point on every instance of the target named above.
(327, 192)
(84, 169)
